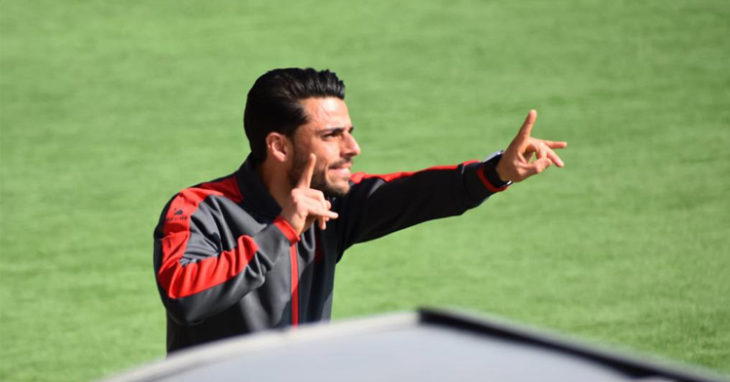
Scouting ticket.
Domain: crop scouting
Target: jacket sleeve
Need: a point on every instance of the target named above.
(196, 276)
(380, 204)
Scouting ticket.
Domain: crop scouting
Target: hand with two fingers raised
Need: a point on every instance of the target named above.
(516, 163)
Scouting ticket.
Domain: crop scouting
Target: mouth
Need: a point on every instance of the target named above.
(342, 168)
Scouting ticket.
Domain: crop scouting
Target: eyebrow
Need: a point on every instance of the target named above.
(335, 130)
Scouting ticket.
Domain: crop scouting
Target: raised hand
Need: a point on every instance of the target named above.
(305, 204)
(517, 164)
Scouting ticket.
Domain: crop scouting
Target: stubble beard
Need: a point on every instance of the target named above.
(319, 177)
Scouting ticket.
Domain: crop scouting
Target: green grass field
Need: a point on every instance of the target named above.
(108, 108)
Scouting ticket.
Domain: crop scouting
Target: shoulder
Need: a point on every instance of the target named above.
(360, 177)
(226, 187)
(190, 200)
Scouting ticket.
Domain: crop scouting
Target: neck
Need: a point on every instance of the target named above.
(275, 180)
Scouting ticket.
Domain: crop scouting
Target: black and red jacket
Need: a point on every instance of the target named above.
(226, 263)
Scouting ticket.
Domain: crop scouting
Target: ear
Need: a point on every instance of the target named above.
(279, 147)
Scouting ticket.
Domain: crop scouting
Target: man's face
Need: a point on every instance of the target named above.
(327, 134)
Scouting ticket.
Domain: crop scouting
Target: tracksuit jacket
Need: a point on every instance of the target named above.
(226, 263)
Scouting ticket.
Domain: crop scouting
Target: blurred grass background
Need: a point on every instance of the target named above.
(108, 108)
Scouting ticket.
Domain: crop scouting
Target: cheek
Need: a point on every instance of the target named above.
(329, 153)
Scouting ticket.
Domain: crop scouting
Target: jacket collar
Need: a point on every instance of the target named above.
(256, 196)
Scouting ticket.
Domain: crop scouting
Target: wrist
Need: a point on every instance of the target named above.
(490, 175)
(498, 173)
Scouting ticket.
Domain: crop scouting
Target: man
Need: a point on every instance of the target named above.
(257, 249)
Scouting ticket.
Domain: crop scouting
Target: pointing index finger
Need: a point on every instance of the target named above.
(306, 180)
(526, 128)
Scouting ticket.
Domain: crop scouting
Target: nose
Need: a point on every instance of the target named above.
(351, 148)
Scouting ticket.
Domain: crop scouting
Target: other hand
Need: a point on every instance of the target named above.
(305, 204)
(517, 165)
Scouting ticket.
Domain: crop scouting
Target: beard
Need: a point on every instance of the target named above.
(319, 176)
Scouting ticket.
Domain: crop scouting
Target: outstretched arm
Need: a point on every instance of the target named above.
(517, 165)
(381, 204)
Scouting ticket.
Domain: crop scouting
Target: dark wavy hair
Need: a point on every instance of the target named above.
(273, 103)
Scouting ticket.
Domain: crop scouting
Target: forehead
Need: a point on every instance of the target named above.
(323, 113)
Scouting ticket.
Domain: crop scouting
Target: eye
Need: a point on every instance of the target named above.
(334, 134)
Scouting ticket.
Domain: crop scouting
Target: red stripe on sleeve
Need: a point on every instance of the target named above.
(360, 176)
(487, 184)
(181, 281)
(196, 277)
